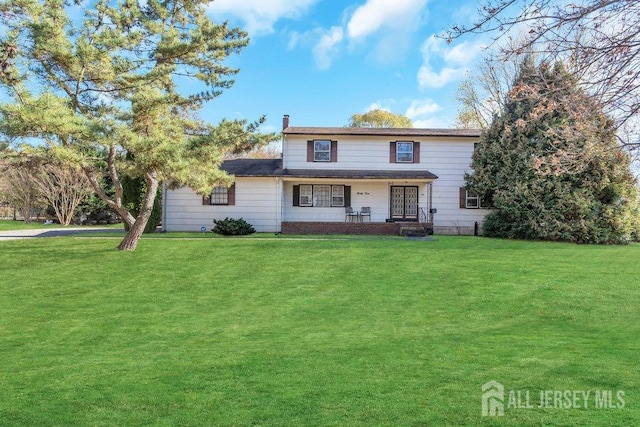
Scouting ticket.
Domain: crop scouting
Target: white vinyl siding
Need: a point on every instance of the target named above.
(256, 201)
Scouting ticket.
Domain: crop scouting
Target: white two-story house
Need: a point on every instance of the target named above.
(344, 180)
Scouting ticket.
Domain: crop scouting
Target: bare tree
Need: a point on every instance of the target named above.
(19, 189)
(598, 40)
(63, 187)
(482, 96)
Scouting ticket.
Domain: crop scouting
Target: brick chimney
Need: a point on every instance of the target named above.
(285, 121)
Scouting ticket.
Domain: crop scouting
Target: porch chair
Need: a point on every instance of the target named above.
(349, 214)
(365, 212)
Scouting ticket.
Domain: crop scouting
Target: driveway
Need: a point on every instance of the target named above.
(53, 232)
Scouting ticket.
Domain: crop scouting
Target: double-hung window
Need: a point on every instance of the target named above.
(469, 200)
(404, 152)
(472, 201)
(322, 151)
(306, 195)
(337, 195)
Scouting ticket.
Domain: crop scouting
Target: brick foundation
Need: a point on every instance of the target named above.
(370, 228)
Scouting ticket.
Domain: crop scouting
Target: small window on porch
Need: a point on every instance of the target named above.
(321, 195)
(306, 195)
(337, 195)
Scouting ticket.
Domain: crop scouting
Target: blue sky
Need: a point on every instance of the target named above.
(320, 61)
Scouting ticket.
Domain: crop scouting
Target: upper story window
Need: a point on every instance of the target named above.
(404, 152)
(322, 150)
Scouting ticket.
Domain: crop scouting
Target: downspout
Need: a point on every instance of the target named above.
(164, 207)
(278, 205)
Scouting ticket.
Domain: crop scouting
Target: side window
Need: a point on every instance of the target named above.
(469, 200)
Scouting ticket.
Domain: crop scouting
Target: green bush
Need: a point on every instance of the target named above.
(232, 227)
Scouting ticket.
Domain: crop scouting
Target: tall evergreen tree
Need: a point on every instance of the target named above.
(128, 78)
(550, 165)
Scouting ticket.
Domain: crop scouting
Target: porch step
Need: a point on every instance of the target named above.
(413, 231)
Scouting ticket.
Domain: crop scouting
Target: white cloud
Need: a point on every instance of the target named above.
(424, 107)
(325, 50)
(377, 14)
(443, 65)
(259, 16)
(376, 106)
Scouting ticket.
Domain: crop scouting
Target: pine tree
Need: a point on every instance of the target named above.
(127, 78)
(550, 165)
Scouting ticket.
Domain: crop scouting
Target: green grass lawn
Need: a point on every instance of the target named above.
(314, 332)
(21, 225)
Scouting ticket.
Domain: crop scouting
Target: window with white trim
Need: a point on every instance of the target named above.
(472, 201)
(337, 195)
(321, 195)
(404, 152)
(321, 151)
(306, 195)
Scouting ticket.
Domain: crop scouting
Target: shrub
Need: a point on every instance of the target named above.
(232, 227)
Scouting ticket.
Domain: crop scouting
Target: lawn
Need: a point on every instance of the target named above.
(21, 225)
(276, 331)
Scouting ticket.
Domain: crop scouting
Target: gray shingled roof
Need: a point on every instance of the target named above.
(273, 167)
(357, 174)
(409, 132)
(252, 167)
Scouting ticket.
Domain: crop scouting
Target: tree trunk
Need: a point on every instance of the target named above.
(130, 241)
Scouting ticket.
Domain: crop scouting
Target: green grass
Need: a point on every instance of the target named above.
(21, 225)
(313, 332)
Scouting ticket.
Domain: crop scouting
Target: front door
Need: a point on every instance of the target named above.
(404, 203)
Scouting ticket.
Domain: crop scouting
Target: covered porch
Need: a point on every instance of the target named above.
(383, 202)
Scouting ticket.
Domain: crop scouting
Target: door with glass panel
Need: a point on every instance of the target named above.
(404, 203)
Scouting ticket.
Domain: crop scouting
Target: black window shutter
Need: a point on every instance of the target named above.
(347, 195)
(392, 152)
(296, 195)
(463, 198)
(416, 152)
(206, 200)
(334, 151)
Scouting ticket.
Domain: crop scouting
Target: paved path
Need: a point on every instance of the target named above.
(52, 232)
